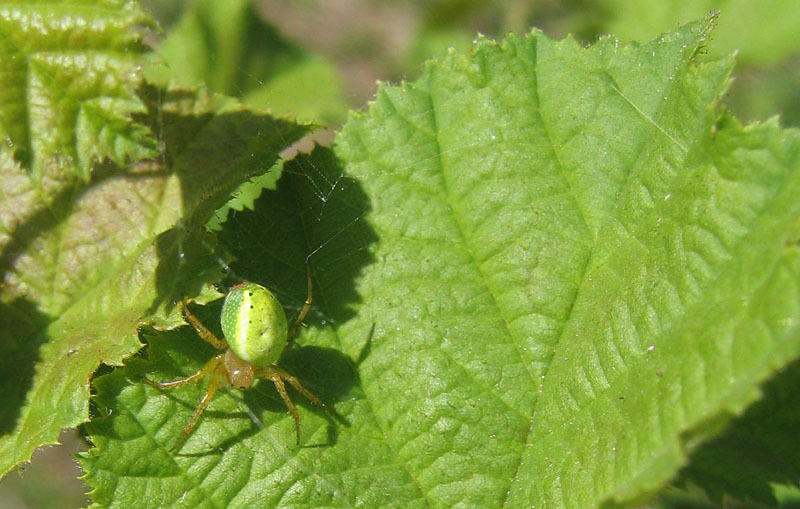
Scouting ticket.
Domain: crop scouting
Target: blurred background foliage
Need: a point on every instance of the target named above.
(316, 59)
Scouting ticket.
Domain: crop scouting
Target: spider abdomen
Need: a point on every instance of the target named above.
(254, 324)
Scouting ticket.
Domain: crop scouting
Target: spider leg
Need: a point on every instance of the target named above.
(276, 379)
(202, 330)
(297, 385)
(201, 373)
(213, 385)
(278, 375)
(303, 311)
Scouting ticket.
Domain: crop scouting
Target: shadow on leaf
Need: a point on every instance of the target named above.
(23, 328)
(315, 213)
(757, 451)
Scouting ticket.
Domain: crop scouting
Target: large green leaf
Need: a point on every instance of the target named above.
(82, 264)
(68, 74)
(543, 276)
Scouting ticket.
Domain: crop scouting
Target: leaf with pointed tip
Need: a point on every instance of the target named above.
(761, 33)
(543, 276)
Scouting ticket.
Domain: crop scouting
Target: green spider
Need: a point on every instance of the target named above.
(255, 334)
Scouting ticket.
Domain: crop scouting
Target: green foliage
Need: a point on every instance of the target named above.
(759, 449)
(592, 216)
(543, 275)
(226, 46)
(762, 32)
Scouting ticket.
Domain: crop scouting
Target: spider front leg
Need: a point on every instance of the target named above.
(202, 330)
(213, 385)
(277, 376)
(215, 361)
(214, 366)
(199, 375)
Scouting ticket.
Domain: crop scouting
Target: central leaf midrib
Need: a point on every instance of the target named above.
(564, 173)
(462, 232)
(647, 140)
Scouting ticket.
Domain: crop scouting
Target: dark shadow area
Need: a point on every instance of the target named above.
(176, 353)
(186, 261)
(22, 329)
(756, 450)
(325, 372)
(211, 154)
(317, 213)
(367, 348)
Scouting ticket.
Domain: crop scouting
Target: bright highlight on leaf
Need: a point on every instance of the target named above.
(545, 274)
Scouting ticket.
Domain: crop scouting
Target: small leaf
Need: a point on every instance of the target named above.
(70, 70)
